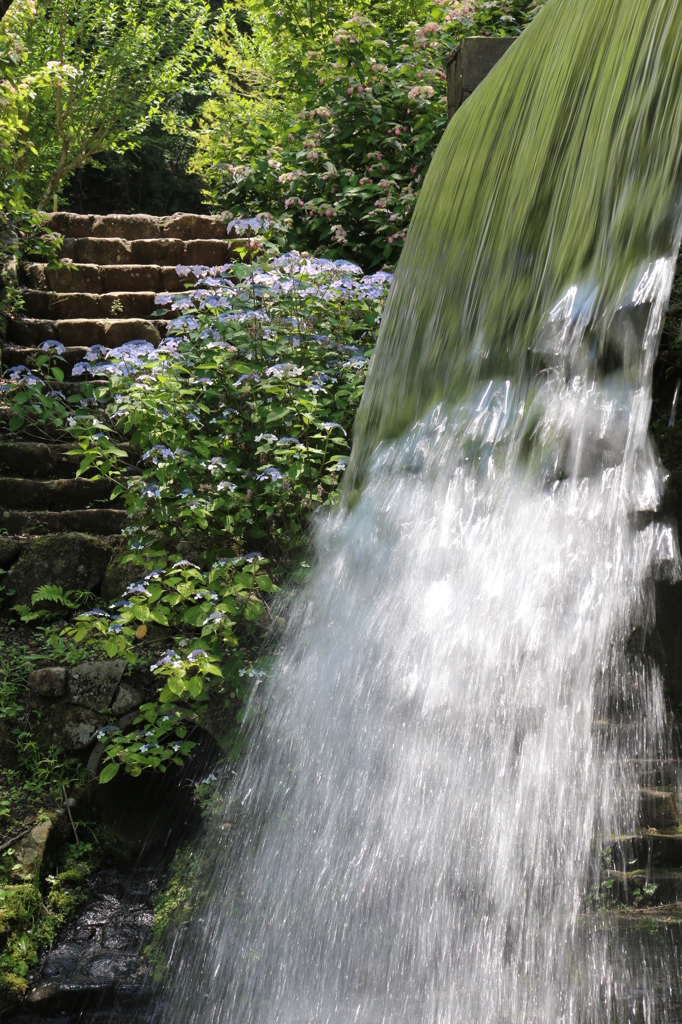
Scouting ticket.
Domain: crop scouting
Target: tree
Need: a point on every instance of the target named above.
(98, 71)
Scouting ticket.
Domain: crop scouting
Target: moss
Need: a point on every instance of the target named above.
(175, 905)
(32, 914)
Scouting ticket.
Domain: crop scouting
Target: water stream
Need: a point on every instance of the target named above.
(462, 701)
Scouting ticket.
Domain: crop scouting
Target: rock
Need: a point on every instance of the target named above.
(32, 850)
(9, 756)
(10, 548)
(93, 683)
(127, 699)
(69, 560)
(70, 726)
(658, 808)
(118, 576)
(51, 997)
(48, 682)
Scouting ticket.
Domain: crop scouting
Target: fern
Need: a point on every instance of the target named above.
(71, 599)
(55, 595)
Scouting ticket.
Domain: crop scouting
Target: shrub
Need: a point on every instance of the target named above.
(328, 122)
(243, 419)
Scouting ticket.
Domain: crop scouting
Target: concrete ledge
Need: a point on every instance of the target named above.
(469, 63)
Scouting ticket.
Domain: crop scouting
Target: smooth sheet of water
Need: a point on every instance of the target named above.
(459, 706)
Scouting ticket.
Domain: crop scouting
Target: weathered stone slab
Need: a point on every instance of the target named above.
(93, 684)
(129, 226)
(193, 225)
(208, 252)
(71, 225)
(48, 682)
(31, 852)
(130, 278)
(128, 698)
(158, 251)
(469, 63)
(130, 304)
(97, 250)
(104, 522)
(70, 560)
(118, 332)
(53, 495)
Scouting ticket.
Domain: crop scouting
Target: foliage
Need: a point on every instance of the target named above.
(243, 417)
(31, 913)
(85, 77)
(57, 597)
(328, 118)
(175, 905)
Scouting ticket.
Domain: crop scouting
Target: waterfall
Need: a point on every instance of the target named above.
(462, 702)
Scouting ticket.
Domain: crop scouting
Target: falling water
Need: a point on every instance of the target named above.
(462, 704)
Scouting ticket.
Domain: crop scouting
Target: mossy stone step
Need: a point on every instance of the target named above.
(19, 493)
(186, 226)
(84, 331)
(159, 251)
(104, 522)
(644, 850)
(95, 279)
(42, 461)
(40, 304)
(655, 886)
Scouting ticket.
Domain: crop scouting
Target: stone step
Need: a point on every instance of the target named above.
(158, 251)
(18, 493)
(186, 226)
(20, 355)
(641, 850)
(30, 333)
(658, 808)
(47, 305)
(41, 461)
(96, 279)
(654, 886)
(102, 522)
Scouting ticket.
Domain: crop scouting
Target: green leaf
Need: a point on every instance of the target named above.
(108, 772)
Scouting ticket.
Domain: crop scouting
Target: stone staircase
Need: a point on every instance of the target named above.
(55, 528)
(642, 870)
(107, 294)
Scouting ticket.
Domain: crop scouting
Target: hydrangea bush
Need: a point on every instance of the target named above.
(241, 422)
(329, 122)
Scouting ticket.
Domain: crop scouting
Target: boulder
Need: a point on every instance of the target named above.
(118, 576)
(94, 683)
(70, 726)
(48, 682)
(31, 852)
(128, 698)
(10, 548)
(69, 560)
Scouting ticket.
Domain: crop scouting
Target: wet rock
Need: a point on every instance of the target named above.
(48, 682)
(97, 961)
(69, 560)
(76, 994)
(9, 756)
(128, 698)
(94, 683)
(70, 726)
(31, 852)
(658, 808)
